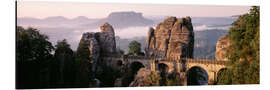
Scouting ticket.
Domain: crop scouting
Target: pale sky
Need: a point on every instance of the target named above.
(100, 10)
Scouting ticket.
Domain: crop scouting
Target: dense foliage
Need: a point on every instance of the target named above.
(33, 57)
(84, 73)
(244, 52)
(135, 48)
(63, 65)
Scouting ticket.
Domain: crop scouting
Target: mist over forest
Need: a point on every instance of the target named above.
(128, 26)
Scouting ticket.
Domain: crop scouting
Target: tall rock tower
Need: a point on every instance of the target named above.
(172, 38)
(106, 39)
(100, 43)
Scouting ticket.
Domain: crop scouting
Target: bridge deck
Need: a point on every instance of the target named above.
(187, 60)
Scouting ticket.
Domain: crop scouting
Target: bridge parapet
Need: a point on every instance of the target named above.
(139, 57)
(204, 61)
(188, 60)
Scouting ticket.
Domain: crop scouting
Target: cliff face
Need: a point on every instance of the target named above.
(222, 47)
(173, 38)
(106, 39)
(100, 43)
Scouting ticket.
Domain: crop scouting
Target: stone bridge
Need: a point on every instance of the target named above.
(182, 66)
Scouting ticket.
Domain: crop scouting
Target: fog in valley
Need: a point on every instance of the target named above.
(132, 27)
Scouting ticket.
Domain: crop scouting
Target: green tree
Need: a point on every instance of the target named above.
(83, 64)
(135, 48)
(244, 52)
(63, 65)
(33, 56)
(174, 79)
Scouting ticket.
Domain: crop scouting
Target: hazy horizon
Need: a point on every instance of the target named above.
(44, 9)
(72, 31)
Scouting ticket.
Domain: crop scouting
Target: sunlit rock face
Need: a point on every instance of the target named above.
(172, 38)
(222, 47)
(102, 42)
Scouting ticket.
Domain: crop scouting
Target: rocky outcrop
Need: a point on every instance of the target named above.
(106, 39)
(94, 48)
(101, 43)
(172, 38)
(145, 77)
(222, 47)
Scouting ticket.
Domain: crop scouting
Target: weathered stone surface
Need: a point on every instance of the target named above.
(145, 77)
(106, 39)
(99, 44)
(90, 39)
(222, 47)
(103, 40)
(173, 38)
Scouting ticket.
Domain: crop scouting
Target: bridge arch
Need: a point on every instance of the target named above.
(219, 75)
(136, 66)
(162, 67)
(132, 70)
(170, 65)
(197, 75)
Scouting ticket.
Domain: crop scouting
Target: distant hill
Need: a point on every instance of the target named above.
(208, 37)
(123, 20)
(117, 19)
(205, 43)
(54, 22)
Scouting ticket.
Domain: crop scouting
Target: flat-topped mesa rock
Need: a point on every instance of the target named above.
(222, 47)
(172, 38)
(127, 14)
(101, 43)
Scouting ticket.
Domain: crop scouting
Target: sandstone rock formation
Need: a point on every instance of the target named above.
(145, 77)
(101, 43)
(172, 38)
(106, 39)
(222, 47)
(94, 48)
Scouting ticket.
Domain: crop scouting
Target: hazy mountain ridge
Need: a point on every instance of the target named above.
(59, 28)
(117, 19)
(54, 22)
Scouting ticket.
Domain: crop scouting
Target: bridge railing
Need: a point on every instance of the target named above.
(205, 61)
(187, 60)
